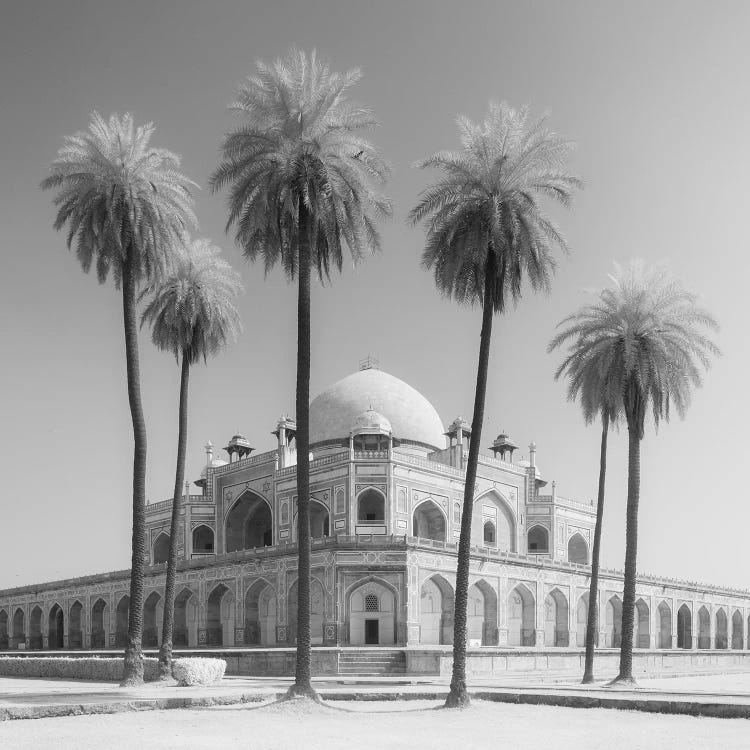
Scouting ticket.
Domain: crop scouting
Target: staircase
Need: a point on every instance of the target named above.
(371, 662)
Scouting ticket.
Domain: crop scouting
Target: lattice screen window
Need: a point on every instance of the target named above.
(371, 603)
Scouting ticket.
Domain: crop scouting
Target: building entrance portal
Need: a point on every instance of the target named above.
(372, 635)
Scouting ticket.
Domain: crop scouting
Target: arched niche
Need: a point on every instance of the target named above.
(260, 614)
(704, 628)
(98, 624)
(684, 627)
(738, 636)
(203, 539)
(556, 619)
(185, 631)
(319, 520)
(56, 627)
(482, 614)
(722, 630)
(121, 621)
(538, 540)
(370, 506)
(35, 628)
(249, 523)
(665, 625)
(613, 622)
(75, 626)
(161, 548)
(491, 506)
(582, 614)
(642, 630)
(428, 521)
(220, 617)
(19, 628)
(372, 614)
(153, 609)
(578, 550)
(521, 609)
(317, 612)
(4, 639)
(436, 604)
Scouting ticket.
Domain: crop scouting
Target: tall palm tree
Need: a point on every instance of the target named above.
(646, 339)
(124, 203)
(192, 315)
(301, 181)
(588, 382)
(486, 232)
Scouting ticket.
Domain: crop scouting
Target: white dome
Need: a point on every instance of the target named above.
(411, 415)
(526, 464)
(215, 463)
(372, 422)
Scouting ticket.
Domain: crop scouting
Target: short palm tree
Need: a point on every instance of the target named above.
(486, 233)
(588, 382)
(646, 339)
(124, 203)
(301, 187)
(192, 315)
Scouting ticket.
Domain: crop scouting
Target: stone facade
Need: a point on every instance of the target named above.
(385, 521)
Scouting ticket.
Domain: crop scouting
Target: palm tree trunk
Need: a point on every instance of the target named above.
(302, 679)
(165, 651)
(133, 670)
(458, 697)
(631, 549)
(592, 623)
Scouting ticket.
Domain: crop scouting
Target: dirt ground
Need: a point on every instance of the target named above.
(412, 725)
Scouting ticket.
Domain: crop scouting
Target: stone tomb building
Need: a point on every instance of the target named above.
(386, 488)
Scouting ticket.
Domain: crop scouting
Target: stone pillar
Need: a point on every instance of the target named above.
(694, 626)
(502, 636)
(711, 627)
(330, 634)
(674, 639)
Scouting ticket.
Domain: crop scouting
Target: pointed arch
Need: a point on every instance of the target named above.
(371, 506)
(317, 612)
(19, 627)
(538, 540)
(556, 619)
(722, 635)
(642, 634)
(428, 521)
(75, 625)
(684, 627)
(161, 548)
(492, 506)
(248, 523)
(35, 628)
(56, 627)
(203, 540)
(521, 615)
(482, 613)
(738, 636)
(578, 550)
(260, 613)
(98, 624)
(185, 631)
(121, 621)
(371, 605)
(153, 608)
(614, 622)
(220, 616)
(436, 603)
(582, 614)
(665, 625)
(4, 639)
(704, 628)
(320, 520)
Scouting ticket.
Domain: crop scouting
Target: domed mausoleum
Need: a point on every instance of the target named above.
(386, 491)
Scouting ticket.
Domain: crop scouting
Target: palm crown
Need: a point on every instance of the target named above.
(119, 195)
(640, 344)
(488, 202)
(299, 147)
(192, 309)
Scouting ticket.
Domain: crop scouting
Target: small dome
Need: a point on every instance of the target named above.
(371, 422)
(215, 463)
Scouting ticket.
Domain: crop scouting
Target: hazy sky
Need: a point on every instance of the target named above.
(656, 96)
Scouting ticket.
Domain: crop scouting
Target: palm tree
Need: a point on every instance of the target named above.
(300, 177)
(192, 315)
(486, 232)
(646, 340)
(588, 381)
(124, 203)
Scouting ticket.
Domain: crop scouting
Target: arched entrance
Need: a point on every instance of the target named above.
(642, 634)
(582, 613)
(704, 628)
(98, 629)
(722, 636)
(738, 637)
(121, 621)
(260, 614)
(521, 630)
(3, 630)
(203, 540)
(665, 625)
(684, 627)
(56, 628)
(35, 628)
(482, 615)
(185, 632)
(75, 626)
(370, 507)
(578, 550)
(436, 611)
(317, 612)
(538, 540)
(152, 615)
(19, 629)
(372, 615)
(555, 619)
(428, 521)
(249, 523)
(161, 549)
(319, 520)
(614, 622)
(220, 617)
(492, 507)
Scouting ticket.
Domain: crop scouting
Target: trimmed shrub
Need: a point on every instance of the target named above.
(198, 671)
(85, 668)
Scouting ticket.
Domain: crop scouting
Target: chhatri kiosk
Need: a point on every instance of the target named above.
(387, 483)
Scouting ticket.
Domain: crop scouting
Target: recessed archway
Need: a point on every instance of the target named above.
(260, 614)
(482, 614)
(704, 628)
(35, 628)
(75, 626)
(220, 617)
(492, 507)
(614, 622)
(642, 634)
(19, 628)
(98, 628)
(436, 611)
(152, 614)
(722, 635)
(428, 521)
(56, 627)
(121, 621)
(372, 614)
(738, 636)
(521, 630)
(370, 506)
(185, 632)
(556, 619)
(317, 612)
(582, 614)
(319, 520)
(578, 550)
(3, 630)
(249, 523)
(665, 625)
(161, 549)
(684, 627)
(203, 540)
(538, 537)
